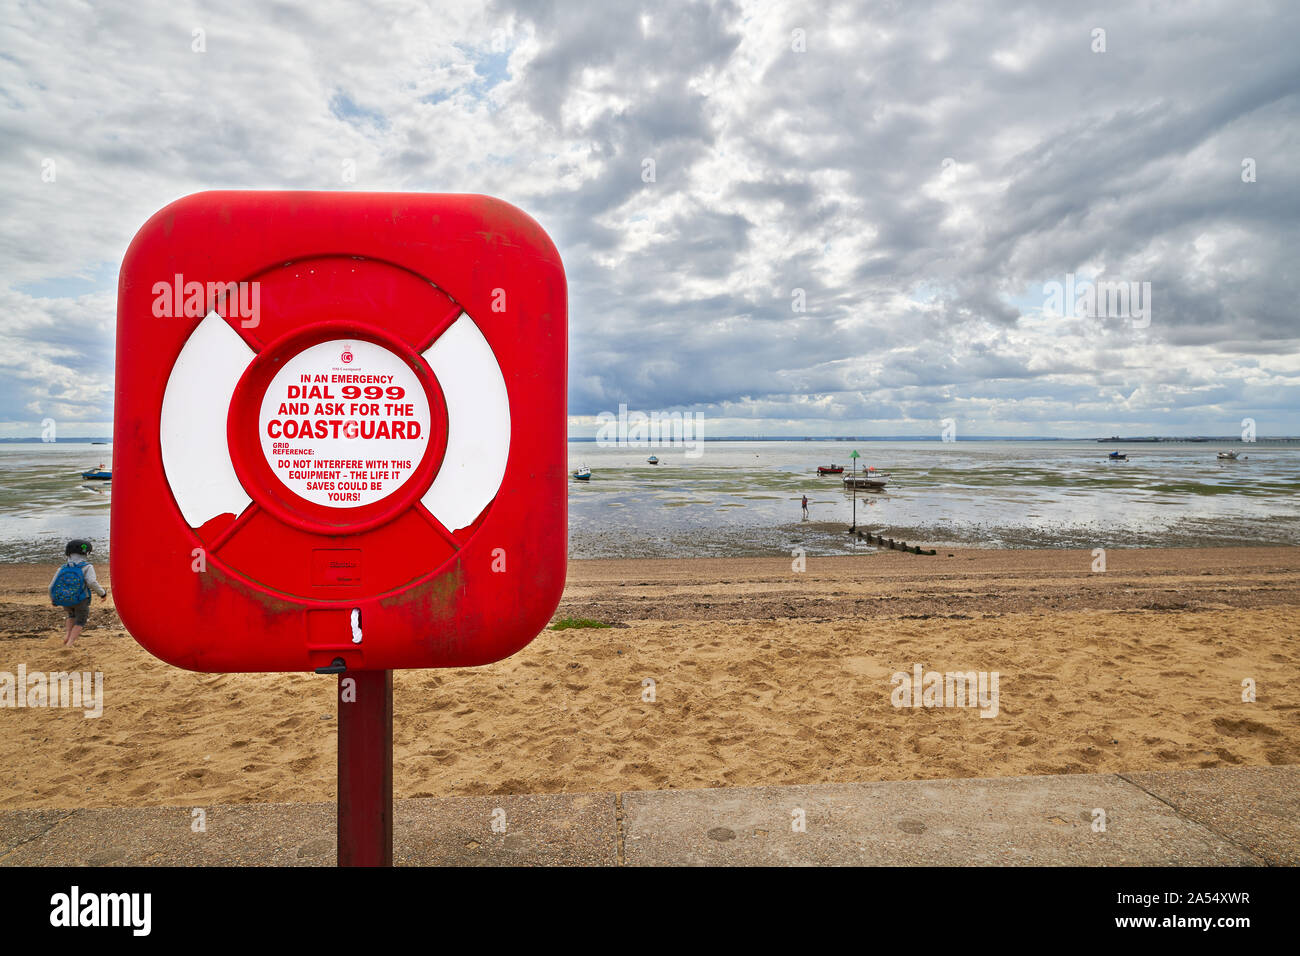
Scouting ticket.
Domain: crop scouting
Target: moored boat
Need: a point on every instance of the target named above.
(830, 469)
(1227, 456)
(870, 479)
(653, 460)
(583, 474)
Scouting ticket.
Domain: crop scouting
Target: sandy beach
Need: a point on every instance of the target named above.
(761, 675)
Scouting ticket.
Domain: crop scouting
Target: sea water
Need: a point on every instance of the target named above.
(743, 498)
(44, 501)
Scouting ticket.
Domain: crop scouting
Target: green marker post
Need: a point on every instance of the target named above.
(855, 456)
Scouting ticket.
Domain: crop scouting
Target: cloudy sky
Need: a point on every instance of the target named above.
(795, 218)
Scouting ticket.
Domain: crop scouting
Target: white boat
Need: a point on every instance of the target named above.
(1227, 456)
(583, 474)
(653, 460)
(870, 479)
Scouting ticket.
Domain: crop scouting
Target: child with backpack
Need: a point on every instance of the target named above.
(72, 585)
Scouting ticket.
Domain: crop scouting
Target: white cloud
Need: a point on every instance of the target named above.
(821, 170)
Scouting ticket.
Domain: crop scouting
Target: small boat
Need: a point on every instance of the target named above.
(830, 469)
(1227, 456)
(99, 475)
(653, 460)
(870, 479)
(583, 474)
(1116, 456)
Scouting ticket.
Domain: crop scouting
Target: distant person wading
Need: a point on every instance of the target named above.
(72, 585)
(805, 507)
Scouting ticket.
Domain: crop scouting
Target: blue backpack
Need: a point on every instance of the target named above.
(69, 586)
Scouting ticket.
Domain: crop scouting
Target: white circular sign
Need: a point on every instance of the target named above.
(344, 423)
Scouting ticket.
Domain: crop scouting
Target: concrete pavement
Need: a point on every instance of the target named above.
(1235, 816)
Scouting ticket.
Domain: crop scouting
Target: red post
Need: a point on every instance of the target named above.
(365, 790)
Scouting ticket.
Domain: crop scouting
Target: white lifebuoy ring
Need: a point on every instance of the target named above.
(196, 403)
(478, 425)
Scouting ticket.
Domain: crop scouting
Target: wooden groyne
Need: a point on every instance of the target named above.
(890, 543)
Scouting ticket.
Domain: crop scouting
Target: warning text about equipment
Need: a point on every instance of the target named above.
(330, 475)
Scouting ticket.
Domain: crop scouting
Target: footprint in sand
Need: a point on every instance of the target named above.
(1242, 728)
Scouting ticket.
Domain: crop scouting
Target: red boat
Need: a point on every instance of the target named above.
(830, 469)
